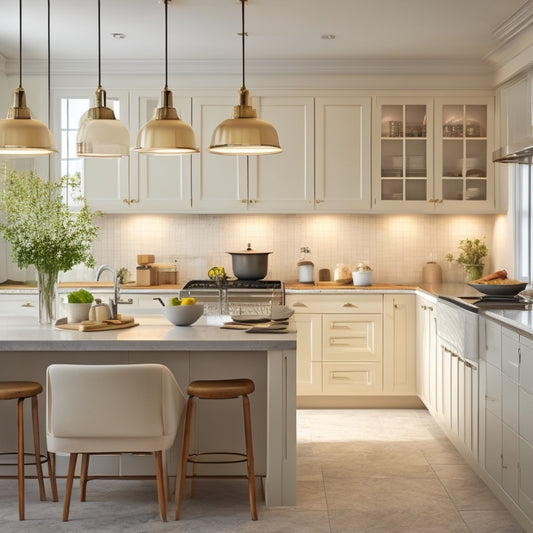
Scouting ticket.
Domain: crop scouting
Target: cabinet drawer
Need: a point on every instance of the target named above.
(351, 378)
(341, 303)
(352, 338)
(20, 304)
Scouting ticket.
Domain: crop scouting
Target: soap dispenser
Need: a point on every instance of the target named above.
(305, 266)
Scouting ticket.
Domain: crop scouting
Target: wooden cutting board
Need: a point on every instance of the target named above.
(94, 326)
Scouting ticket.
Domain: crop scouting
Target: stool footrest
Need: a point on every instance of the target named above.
(43, 459)
(202, 458)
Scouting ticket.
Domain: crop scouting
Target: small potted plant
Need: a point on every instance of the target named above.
(472, 252)
(78, 305)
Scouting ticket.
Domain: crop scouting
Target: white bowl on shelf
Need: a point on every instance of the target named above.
(183, 315)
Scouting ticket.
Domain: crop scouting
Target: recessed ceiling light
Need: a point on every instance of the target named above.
(328, 36)
(116, 35)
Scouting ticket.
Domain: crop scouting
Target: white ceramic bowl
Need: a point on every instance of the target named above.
(362, 278)
(183, 315)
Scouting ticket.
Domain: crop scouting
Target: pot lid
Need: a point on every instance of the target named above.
(248, 251)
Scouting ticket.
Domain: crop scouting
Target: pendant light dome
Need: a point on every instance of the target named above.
(244, 133)
(166, 134)
(21, 135)
(101, 134)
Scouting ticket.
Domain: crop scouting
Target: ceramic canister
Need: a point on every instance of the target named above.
(432, 273)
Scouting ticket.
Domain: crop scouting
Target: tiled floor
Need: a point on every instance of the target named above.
(379, 471)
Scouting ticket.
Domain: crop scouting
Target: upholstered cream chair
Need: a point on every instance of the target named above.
(112, 409)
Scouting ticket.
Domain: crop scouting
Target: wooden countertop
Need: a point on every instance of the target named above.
(331, 285)
(20, 285)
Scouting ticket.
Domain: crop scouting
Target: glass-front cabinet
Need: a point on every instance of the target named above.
(433, 154)
(403, 155)
(463, 153)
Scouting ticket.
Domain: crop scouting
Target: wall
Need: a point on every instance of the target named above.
(395, 246)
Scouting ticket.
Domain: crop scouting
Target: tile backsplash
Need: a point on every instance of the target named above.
(395, 246)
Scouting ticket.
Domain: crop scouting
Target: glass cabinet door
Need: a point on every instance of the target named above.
(463, 168)
(405, 166)
(464, 152)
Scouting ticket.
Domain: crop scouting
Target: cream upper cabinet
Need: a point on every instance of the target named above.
(402, 160)
(219, 182)
(464, 172)
(158, 183)
(140, 183)
(283, 183)
(270, 183)
(342, 154)
(433, 154)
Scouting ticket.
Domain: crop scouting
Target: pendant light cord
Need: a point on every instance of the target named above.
(48, 51)
(166, 44)
(20, 43)
(243, 36)
(99, 49)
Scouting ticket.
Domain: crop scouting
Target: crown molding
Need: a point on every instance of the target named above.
(512, 54)
(509, 29)
(270, 66)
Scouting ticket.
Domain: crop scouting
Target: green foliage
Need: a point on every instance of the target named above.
(41, 228)
(472, 252)
(81, 296)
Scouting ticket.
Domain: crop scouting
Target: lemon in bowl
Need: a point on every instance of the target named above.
(183, 315)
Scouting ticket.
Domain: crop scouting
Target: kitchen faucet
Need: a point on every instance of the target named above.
(113, 301)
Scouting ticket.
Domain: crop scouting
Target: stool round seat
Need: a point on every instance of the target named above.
(220, 389)
(12, 390)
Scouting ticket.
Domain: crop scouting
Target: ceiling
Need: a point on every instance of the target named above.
(278, 30)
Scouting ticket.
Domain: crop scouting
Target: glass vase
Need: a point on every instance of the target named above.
(473, 272)
(47, 285)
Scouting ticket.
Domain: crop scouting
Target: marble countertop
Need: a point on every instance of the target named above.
(154, 333)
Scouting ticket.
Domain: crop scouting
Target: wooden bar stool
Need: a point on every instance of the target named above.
(20, 390)
(218, 390)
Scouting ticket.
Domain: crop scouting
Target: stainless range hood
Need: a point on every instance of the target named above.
(520, 152)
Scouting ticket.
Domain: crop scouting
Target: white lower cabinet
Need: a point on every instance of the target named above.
(506, 404)
(309, 360)
(399, 346)
(426, 351)
(354, 344)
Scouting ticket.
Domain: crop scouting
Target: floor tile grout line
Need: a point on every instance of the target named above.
(449, 497)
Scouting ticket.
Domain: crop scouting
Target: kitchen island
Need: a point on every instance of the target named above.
(200, 351)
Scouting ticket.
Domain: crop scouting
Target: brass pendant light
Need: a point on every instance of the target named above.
(244, 133)
(21, 135)
(100, 134)
(166, 134)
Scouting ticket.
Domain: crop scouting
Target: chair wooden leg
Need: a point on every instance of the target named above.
(37, 447)
(83, 476)
(165, 477)
(20, 455)
(250, 455)
(52, 475)
(68, 488)
(160, 475)
(184, 455)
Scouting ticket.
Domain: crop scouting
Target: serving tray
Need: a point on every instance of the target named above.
(91, 325)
